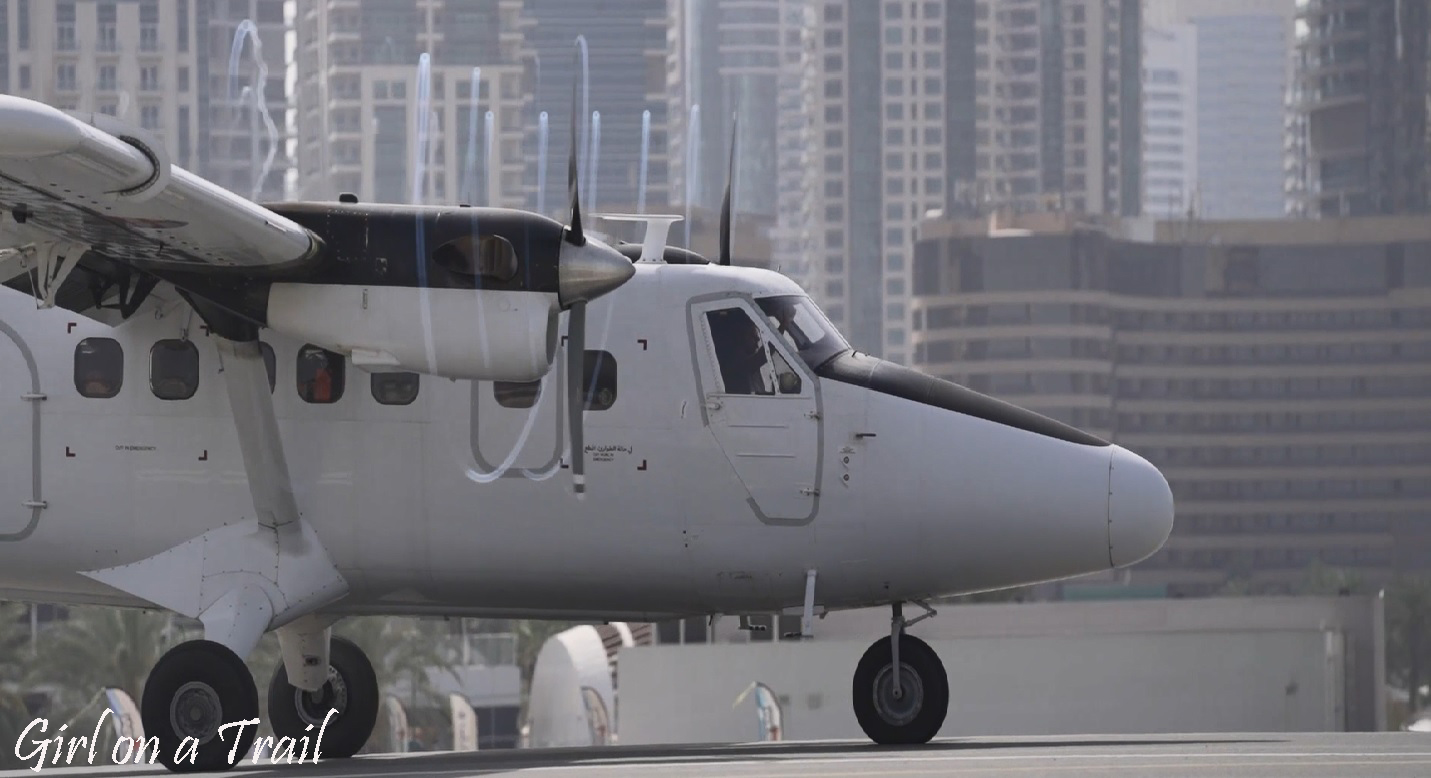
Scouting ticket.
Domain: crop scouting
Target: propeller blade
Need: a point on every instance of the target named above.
(725, 202)
(574, 235)
(576, 392)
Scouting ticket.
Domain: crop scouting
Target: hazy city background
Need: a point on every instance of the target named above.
(1035, 198)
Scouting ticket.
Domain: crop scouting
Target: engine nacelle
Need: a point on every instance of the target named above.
(473, 334)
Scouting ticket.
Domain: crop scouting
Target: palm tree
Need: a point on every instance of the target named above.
(99, 647)
(1408, 635)
(403, 648)
(13, 637)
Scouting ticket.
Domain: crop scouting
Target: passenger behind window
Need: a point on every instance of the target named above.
(320, 375)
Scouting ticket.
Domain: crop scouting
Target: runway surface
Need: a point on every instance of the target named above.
(1260, 755)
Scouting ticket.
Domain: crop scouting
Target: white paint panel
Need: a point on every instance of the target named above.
(478, 334)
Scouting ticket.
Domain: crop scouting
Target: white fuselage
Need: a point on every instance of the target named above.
(694, 503)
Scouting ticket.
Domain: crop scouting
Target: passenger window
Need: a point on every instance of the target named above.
(749, 362)
(99, 367)
(270, 363)
(517, 394)
(489, 256)
(395, 388)
(599, 380)
(320, 375)
(174, 369)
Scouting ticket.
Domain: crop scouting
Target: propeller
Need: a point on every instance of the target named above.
(576, 324)
(586, 269)
(725, 202)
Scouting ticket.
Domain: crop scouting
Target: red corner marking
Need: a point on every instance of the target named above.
(69, 328)
(69, 454)
(642, 466)
(205, 457)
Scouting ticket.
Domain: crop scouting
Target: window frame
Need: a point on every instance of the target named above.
(186, 346)
(118, 384)
(340, 375)
(375, 378)
(504, 392)
(593, 364)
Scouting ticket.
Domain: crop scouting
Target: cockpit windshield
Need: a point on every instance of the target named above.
(804, 327)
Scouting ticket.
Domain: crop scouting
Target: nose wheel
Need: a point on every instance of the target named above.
(351, 689)
(900, 692)
(193, 690)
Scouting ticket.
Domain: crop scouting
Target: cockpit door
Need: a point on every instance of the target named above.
(762, 405)
(19, 439)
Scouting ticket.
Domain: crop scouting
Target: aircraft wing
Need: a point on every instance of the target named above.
(90, 180)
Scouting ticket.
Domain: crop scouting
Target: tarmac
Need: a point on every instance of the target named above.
(1259, 755)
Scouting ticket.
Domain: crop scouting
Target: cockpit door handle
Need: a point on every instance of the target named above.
(713, 403)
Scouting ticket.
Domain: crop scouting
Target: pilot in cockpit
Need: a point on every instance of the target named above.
(740, 350)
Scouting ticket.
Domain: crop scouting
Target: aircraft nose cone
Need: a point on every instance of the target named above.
(1140, 508)
(586, 272)
(31, 129)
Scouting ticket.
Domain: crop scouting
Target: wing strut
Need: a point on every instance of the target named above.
(250, 573)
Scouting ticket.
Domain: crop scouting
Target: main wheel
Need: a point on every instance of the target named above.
(917, 712)
(193, 690)
(351, 690)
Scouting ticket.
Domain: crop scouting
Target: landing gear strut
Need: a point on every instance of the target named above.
(901, 692)
(193, 690)
(351, 689)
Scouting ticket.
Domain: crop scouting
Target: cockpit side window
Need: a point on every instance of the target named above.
(804, 327)
(749, 362)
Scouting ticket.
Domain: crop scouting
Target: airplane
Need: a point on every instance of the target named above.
(272, 417)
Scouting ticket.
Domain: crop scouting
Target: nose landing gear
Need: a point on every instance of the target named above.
(901, 691)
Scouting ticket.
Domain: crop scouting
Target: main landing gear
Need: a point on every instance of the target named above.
(200, 686)
(901, 692)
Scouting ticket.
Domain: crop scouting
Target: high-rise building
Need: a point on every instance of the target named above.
(745, 59)
(162, 65)
(1059, 116)
(247, 152)
(1361, 143)
(1170, 121)
(845, 272)
(878, 87)
(1242, 66)
(359, 101)
(1276, 371)
(731, 59)
(626, 57)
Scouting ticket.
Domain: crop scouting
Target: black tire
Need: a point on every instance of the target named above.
(208, 684)
(917, 715)
(351, 689)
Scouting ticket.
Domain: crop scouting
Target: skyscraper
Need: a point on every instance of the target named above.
(358, 101)
(1170, 121)
(239, 139)
(731, 58)
(164, 66)
(1059, 117)
(1361, 108)
(1234, 128)
(626, 55)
